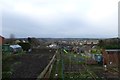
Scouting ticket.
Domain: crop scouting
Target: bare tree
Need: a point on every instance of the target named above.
(12, 39)
(12, 36)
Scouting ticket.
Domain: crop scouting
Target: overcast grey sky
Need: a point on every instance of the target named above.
(59, 18)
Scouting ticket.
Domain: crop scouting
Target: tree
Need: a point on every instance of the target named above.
(109, 43)
(12, 39)
(29, 39)
(101, 43)
(25, 46)
(12, 36)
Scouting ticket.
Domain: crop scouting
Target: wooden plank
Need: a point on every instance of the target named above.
(42, 75)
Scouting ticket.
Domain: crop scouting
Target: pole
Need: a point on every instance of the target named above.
(62, 67)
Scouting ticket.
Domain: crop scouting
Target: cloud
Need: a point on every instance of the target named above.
(61, 18)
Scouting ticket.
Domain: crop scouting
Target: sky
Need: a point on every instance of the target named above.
(59, 18)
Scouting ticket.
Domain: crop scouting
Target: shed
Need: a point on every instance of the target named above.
(1, 40)
(15, 48)
(111, 57)
(6, 48)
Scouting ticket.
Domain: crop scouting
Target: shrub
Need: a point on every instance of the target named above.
(25, 46)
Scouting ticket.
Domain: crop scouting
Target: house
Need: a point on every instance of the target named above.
(1, 40)
(17, 41)
(53, 45)
(111, 57)
(92, 42)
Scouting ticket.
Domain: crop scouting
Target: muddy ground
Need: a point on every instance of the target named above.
(30, 65)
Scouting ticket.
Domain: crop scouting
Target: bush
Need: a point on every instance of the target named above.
(112, 46)
(25, 46)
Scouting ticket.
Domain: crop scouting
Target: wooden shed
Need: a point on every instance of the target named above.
(111, 57)
(1, 40)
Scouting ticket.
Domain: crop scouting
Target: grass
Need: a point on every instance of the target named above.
(8, 60)
(72, 59)
(74, 75)
(53, 70)
(57, 67)
(60, 69)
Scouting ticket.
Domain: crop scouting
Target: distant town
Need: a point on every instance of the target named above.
(60, 58)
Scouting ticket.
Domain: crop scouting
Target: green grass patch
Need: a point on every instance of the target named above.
(52, 75)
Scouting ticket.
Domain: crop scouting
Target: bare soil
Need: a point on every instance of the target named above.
(30, 65)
